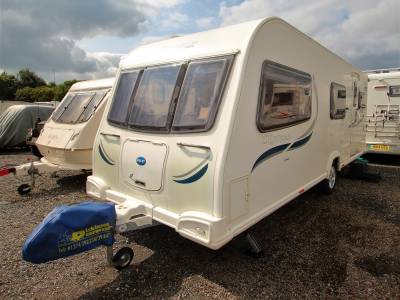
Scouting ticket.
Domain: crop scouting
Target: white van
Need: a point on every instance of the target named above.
(383, 122)
(66, 140)
(211, 132)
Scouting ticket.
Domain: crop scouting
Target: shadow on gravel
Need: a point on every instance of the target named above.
(382, 159)
(301, 242)
(64, 184)
(379, 265)
(71, 181)
(23, 150)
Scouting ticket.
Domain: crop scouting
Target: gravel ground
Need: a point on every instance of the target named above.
(346, 245)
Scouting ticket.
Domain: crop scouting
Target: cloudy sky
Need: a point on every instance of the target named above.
(86, 38)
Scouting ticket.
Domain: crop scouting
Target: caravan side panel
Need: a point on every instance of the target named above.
(282, 163)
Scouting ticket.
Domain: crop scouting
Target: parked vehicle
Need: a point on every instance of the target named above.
(17, 119)
(211, 132)
(66, 140)
(383, 122)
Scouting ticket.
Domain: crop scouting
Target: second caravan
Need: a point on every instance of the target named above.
(66, 139)
(383, 112)
(209, 133)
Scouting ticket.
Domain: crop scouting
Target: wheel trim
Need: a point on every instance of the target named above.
(124, 260)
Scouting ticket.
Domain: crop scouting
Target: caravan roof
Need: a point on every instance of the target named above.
(92, 84)
(389, 75)
(220, 41)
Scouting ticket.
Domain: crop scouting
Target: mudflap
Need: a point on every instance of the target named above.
(69, 230)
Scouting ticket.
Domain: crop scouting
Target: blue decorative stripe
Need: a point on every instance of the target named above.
(194, 177)
(104, 156)
(269, 153)
(279, 149)
(301, 142)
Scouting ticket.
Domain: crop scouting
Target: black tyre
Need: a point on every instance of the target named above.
(24, 189)
(122, 258)
(328, 185)
(35, 151)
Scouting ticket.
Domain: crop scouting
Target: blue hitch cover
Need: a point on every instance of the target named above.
(69, 230)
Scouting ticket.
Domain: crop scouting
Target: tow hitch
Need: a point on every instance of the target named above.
(73, 229)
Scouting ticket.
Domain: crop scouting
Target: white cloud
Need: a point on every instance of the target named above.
(154, 8)
(174, 20)
(365, 32)
(43, 34)
(205, 23)
(156, 38)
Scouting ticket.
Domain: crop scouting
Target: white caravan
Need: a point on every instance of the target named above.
(383, 111)
(209, 133)
(66, 141)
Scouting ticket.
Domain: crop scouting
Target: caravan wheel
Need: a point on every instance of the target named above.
(24, 189)
(122, 258)
(328, 185)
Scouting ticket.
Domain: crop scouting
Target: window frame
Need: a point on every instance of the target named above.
(175, 95)
(93, 111)
(260, 104)
(128, 114)
(173, 100)
(72, 94)
(332, 100)
(229, 60)
(75, 95)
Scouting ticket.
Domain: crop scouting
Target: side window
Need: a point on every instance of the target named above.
(284, 97)
(338, 101)
(394, 91)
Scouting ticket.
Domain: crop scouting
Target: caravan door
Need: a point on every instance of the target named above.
(356, 116)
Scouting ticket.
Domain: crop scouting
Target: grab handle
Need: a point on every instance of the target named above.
(194, 146)
(110, 134)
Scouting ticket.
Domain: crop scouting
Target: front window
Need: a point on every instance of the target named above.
(62, 106)
(152, 101)
(284, 97)
(78, 107)
(182, 97)
(92, 106)
(119, 108)
(200, 95)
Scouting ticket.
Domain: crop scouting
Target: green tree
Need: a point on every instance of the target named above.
(24, 94)
(28, 78)
(42, 94)
(8, 86)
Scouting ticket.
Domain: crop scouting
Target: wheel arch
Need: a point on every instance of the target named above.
(334, 159)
